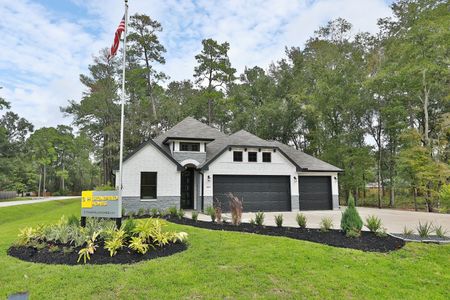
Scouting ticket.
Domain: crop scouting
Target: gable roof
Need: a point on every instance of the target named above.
(219, 142)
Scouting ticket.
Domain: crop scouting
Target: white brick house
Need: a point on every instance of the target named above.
(193, 165)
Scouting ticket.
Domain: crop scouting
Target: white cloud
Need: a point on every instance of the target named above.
(43, 55)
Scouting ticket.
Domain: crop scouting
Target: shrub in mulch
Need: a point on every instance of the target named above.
(368, 241)
(100, 257)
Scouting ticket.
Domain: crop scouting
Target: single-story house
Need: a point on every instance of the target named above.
(193, 165)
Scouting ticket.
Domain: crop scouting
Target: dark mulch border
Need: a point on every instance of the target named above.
(368, 241)
(100, 257)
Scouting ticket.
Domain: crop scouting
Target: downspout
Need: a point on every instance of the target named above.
(203, 189)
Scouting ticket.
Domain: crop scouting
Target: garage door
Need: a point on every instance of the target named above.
(315, 192)
(258, 193)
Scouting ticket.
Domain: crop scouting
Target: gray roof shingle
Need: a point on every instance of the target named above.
(191, 128)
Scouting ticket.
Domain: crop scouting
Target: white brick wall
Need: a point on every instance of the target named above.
(150, 159)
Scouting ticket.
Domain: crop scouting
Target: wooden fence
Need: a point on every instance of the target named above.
(7, 195)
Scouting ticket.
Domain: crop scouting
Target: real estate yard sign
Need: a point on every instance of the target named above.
(100, 204)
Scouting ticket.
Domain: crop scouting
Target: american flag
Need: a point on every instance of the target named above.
(115, 45)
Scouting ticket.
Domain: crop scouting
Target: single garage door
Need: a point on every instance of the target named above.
(258, 193)
(315, 192)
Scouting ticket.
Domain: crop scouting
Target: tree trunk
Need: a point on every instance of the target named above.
(63, 187)
(426, 93)
(379, 177)
(40, 180)
(149, 85)
(43, 189)
(415, 198)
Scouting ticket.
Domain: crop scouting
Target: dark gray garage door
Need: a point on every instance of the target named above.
(315, 192)
(258, 193)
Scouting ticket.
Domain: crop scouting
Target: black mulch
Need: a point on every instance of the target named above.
(368, 241)
(101, 256)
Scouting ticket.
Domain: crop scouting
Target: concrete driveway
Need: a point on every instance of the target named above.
(393, 220)
(38, 200)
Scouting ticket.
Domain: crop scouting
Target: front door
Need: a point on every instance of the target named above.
(187, 189)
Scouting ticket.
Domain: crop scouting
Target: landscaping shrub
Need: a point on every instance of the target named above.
(181, 214)
(141, 212)
(105, 187)
(279, 220)
(326, 224)
(154, 212)
(407, 231)
(352, 233)
(425, 229)
(373, 223)
(236, 209)
(259, 218)
(301, 220)
(218, 212)
(440, 231)
(195, 216)
(128, 226)
(211, 212)
(350, 217)
(173, 211)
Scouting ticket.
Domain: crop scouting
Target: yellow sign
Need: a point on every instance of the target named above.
(87, 199)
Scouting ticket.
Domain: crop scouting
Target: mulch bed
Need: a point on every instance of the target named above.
(368, 241)
(101, 256)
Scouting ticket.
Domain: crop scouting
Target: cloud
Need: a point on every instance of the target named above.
(44, 51)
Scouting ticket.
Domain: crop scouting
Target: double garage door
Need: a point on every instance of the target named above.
(272, 193)
(258, 193)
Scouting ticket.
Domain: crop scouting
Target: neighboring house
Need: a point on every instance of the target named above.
(192, 164)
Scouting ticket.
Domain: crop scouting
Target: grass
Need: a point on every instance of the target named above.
(226, 265)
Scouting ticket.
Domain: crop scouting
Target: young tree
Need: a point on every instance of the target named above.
(213, 71)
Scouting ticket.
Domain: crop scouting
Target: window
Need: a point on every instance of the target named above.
(148, 185)
(237, 155)
(190, 147)
(267, 157)
(252, 156)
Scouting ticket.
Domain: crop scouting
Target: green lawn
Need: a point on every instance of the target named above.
(227, 265)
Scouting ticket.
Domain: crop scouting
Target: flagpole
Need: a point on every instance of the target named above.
(122, 109)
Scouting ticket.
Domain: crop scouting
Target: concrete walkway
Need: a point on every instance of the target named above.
(393, 220)
(37, 200)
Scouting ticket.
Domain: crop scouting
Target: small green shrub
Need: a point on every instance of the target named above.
(173, 211)
(407, 231)
(301, 220)
(85, 253)
(440, 231)
(195, 216)
(73, 221)
(211, 212)
(154, 212)
(353, 233)
(252, 221)
(128, 227)
(425, 229)
(326, 224)
(181, 214)
(382, 232)
(137, 244)
(373, 223)
(105, 187)
(53, 248)
(259, 218)
(279, 220)
(351, 219)
(141, 212)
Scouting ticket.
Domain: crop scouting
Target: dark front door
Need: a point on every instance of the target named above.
(315, 192)
(257, 192)
(187, 189)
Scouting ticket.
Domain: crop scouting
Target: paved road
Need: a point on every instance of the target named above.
(22, 202)
(393, 220)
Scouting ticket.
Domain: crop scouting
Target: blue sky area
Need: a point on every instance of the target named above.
(45, 45)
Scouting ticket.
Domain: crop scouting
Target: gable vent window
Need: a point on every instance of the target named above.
(237, 155)
(148, 185)
(267, 157)
(194, 147)
(253, 156)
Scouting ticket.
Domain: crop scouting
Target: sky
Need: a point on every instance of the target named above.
(47, 44)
